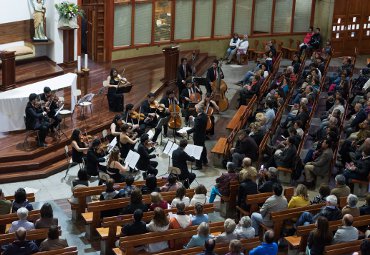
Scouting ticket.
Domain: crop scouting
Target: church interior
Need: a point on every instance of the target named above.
(185, 127)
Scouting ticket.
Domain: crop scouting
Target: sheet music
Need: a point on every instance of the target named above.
(183, 130)
(194, 150)
(150, 133)
(169, 148)
(132, 159)
(174, 147)
(112, 144)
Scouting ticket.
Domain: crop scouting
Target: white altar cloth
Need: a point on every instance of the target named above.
(13, 102)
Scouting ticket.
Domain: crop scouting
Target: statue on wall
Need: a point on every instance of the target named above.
(39, 20)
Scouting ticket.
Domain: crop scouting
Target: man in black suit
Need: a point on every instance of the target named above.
(185, 98)
(167, 100)
(145, 163)
(52, 107)
(199, 136)
(179, 159)
(151, 119)
(183, 72)
(94, 158)
(212, 75)
(36, 119)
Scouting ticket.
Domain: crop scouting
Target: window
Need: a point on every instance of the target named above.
(203, 18)
(183, 19)
(262, 17)
(283, 16)
(223, 19)
(143, 23)
(122, 25)
(302, 15)
(243, 16)
(162, 21)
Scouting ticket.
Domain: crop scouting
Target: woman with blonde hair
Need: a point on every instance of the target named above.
(201, 236)
(159, 223)
(300, 197)
(157, 201)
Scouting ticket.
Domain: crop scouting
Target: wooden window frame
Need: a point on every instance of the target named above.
(192, 38)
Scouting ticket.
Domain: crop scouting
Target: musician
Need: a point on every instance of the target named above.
(115, 98)
(179, 159)
(183, 72)
(115, 126)
(146, 147)
(36, 119)
(167, 100)
(51, 107)
(206, 103)
(199, 136)
(212, 75)
(94, 157)
(186, 95)
(79, 147)
(127, 140)
(151, 119)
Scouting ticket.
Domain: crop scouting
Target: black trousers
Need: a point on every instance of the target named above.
(43, 129)
(57, 119)
(152, 168)
(188, 179)
(203, 157)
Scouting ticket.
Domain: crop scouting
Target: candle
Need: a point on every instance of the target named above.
(86, 59)
(79, 63)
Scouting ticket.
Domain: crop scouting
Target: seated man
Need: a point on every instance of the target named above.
(138, 227)
(22, 214)
(245, 147)
(20, 245)
(260, 67)
(330, 211)
(285, 157)
(267, 180)
(229, 234)
(347, 232)
(241, 49)
(222, 187)
(267, 247)
(51, 107)
(53, 242)
(179, 159)
(341, 189)
(275, 203)
(351, 207)
(360, 169)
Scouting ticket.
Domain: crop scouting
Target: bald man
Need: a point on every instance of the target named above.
(268, 247)
(21, 245)
(347, 232)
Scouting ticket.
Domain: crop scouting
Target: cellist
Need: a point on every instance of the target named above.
(209, 106)
(167, 100)
(212, 75)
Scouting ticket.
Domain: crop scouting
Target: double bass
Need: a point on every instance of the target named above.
(219, 88)
(175, 119)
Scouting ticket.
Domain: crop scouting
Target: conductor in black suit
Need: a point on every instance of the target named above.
(179, 159)
(212, 75)
(183, 72)
(199, 136)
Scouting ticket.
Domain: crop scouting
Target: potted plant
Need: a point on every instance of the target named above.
(68, 13)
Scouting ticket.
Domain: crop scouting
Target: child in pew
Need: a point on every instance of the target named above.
(127, 190)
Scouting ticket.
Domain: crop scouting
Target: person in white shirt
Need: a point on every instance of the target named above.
(22, 214)
(241, 49)
(231, 51)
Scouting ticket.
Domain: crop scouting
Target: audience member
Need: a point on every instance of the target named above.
(180, 197)
(245, 147)
(319, 237)
(222, 187)
(229, 234)
(248, 170)
(128, 188)
(5, 205)
(179, 220)
(324, 191)
(347, 232)
(235, 248)
(200, 195)
(209, 246)
(157, 201)
(172, 184)
(244, 229)
(136, 202)
(341, 189)
(201, 236)
(268, 247)
(21, 245)
(351, 207)
(150, 185)
(365, 209)
(267, 180)
(137, 227)
(46, 217)
(199, 216)
(53, 242)
(22, 214)
(110, 192)
(20, 200)
(247, 186)
(300, 197)
(159, 223)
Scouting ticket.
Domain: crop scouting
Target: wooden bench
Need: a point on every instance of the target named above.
(7, 219)
(360, 187)
(128, 243)
(72, 250)
(82, 193)
(343, 248)
(221, 248)
(223, 145)
(289, 51)
(301, 237)
(231, 199)
(36, 234)
(30, 197)
(111, 226)
(93, 216)
(237, 118)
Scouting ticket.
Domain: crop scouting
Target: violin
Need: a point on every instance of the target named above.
(137, 116)
(157, 106)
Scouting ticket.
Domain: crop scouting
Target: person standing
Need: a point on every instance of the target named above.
(183, 72)
(179, 159)
(212, 75)
(115, 98)
(199, 136)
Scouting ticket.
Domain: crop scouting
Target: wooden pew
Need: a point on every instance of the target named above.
(30, 197)
(82, 193)
(237, 117)
(36, 234)
(343, 248)
(221, 248)
(7, 219)
(300, 239)
(93, 216)
(111, 226)
(65, 251)
(128, 243)
(231, 198)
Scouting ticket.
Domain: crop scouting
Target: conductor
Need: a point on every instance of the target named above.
(199, 136)
(179, 159)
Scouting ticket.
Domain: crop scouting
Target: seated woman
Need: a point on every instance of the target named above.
(159, 223)
(300, 197)
(201, 236)
(20, 200)
(180, 197)
(81, 181)
(172, 184)
(79, 148)
(115, 169)
(200, 195)
(244, 228)
(229, 234)
(46, 217)
(126, 140)
(324, 191)
(150, 185)
(235, 248)
(115, 126)
(109, 193)
(136, 202)
(94, 158)
(199, 216)
(319, 237)
(157, 201)
(179, 220)
(115, 99)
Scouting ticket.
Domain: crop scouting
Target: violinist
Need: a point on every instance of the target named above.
(36, 119)
(79, 146)
(94, 157)
(51, 106)
(127, 140)
(167, 100)
(187, 95)
(212, 75)
(115, 98)
(146, 147)
(183, 72)
(208, 103)
(149, 108)
(116, 125)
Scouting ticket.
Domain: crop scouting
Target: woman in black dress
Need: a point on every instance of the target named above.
(115, 99)
(79, 148)
(114, 168)
(126, 141)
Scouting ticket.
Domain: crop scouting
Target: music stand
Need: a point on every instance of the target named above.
(58, 129)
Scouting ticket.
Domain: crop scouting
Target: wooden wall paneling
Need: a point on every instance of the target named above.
(16, 31)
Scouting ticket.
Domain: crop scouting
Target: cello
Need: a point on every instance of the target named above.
(175, 119)
(219, 88)
(209, 112)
